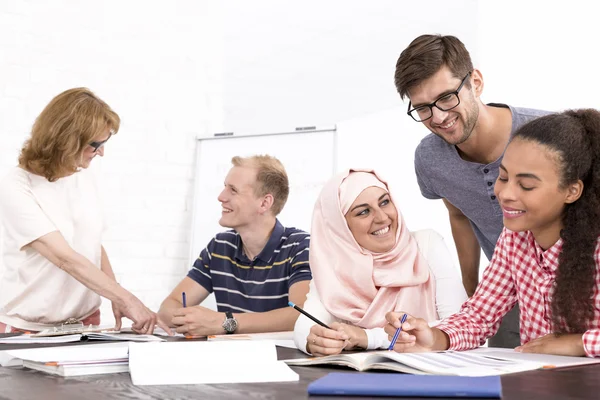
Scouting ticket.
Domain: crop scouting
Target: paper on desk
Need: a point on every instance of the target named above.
(6, 360)
(548, 360)
(161, 332)
(132, 337)
(282, 339)
(88, 352)
(27, 339)
(178, 363)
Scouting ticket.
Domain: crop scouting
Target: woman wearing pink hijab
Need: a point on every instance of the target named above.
(365, 263)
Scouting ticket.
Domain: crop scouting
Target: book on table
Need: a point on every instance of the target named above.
(102, 358)
(77, 337)
(67, 368)
(403, 385)
(479, 362)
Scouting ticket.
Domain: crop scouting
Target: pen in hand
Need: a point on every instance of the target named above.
(307, 314)
(183, 299)
(393, 342)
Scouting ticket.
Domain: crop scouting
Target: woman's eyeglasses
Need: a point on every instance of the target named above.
(97, 145)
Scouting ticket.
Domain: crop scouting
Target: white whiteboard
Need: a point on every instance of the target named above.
(309, 157)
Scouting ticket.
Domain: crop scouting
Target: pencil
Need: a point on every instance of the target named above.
(307, 314)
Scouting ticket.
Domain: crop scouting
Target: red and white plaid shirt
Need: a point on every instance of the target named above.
(519, 271)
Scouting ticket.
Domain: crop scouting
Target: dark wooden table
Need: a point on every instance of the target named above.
(22, 383)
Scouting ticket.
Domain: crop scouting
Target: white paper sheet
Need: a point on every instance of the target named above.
(548, 360)
(281, 339)
(177, 363)
(26, 339)
(88, 352)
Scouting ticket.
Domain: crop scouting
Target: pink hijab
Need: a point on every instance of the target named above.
(357, 285)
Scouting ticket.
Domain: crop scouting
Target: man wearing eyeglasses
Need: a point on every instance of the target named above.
(458, 162)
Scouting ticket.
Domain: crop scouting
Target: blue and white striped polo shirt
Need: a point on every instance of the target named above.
(259, 285)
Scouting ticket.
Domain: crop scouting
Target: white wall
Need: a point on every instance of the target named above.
(315, 62)
(540, 54)
(158, 65)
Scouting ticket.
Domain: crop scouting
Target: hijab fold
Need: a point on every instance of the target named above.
(355, 284)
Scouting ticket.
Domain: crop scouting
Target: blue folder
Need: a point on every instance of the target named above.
(404, 385)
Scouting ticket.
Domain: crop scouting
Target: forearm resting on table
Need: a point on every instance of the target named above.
(441, 341)
(282, 319)
(195, 294)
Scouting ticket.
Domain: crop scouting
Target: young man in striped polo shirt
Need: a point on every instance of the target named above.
(255, 268)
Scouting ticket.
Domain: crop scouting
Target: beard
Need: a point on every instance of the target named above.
(468, 123)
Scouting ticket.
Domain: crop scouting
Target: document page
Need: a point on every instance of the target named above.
(178, 363)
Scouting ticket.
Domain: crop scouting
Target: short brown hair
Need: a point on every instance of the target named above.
(270, 178)
(71, 121)
(425, 56)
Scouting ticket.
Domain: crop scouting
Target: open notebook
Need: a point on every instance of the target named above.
(459, 363)
(105, 336)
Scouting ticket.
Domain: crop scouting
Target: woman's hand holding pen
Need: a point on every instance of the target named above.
(416, 335)
(323, 342)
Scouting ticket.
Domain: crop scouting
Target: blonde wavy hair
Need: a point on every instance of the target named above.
(60, 134)
(270, 178)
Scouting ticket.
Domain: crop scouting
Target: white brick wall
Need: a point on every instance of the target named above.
(158, 65)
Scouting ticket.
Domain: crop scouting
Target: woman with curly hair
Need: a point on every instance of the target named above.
(548, 255)
(55, 267)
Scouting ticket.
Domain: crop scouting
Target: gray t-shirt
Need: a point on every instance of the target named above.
(469, 186)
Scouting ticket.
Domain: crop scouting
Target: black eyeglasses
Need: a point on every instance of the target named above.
(445, 103)
(97, 145)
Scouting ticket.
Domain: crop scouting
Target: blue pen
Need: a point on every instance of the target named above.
(183, 298)
(393, 342)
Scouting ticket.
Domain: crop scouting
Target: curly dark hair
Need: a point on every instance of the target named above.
(574, 136)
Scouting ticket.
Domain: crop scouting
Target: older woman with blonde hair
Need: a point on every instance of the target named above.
(55, 267)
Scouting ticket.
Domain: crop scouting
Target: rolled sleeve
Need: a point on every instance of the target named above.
(479, 318)
(591, 342)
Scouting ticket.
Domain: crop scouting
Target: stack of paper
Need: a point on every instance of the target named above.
(75, 360)
(190, 362)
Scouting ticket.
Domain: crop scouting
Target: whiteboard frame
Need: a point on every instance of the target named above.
(199, 139)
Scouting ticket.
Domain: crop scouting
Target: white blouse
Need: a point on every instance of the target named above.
(449, 293)
(34, 293)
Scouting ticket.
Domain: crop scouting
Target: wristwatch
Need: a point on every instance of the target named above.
(230, 324)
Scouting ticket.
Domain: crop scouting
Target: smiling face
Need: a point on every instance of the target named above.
(240, 205)
(454, 126)
(529, 191)
(90, 151)
(373, 220)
